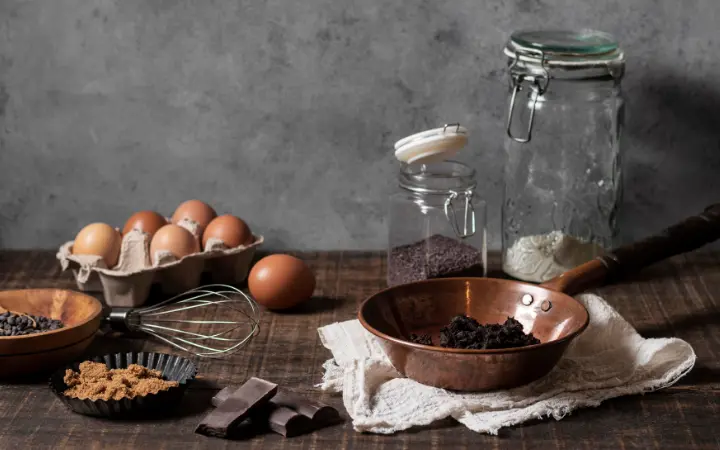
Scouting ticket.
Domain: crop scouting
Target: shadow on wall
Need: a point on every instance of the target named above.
(672, 138)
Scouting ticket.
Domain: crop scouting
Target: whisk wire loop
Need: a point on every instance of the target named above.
(200, 337)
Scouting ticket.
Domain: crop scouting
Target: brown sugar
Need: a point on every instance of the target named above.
(96, 382)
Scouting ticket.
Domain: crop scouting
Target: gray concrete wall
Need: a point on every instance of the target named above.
(284, 112)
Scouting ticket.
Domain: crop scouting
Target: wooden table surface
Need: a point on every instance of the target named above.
(679, 298)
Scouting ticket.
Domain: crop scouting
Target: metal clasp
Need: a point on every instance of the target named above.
(456, 125)
(468, 216)
(538, 85)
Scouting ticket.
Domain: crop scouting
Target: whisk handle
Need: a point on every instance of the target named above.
(118, 319)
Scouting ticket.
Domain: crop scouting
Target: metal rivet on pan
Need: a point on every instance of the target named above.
(527, 299)
(546, 305)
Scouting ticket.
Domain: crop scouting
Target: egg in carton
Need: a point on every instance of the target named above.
(128, 284)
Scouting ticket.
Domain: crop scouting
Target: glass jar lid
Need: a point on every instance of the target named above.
(572, 54)
(564, 42)
(537, 57)
(433, 145)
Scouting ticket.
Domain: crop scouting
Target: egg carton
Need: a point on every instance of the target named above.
(129, 282)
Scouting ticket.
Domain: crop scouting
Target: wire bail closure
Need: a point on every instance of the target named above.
(468, 216)
(538, 85)
(456, 125)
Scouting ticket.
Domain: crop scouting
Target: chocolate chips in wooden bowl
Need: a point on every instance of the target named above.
(21, 324)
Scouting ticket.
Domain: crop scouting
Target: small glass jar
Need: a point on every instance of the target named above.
(562, 173)
(436, 224)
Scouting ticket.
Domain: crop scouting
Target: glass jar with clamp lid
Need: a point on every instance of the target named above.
(563, 171)
(436, 219)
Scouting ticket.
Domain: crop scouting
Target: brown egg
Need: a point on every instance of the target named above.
(145, 221)
(99, 239)
(174, 239)
(195, 210)
(281, 281)
(232, 230)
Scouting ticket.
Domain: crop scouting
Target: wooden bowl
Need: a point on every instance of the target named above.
(23, 355)
(426, 306)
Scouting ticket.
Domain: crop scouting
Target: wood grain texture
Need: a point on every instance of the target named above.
(680, 298)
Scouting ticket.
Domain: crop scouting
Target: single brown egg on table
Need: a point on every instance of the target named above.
(99, 239)
(146, 221)
(174, 239)
(281, 281)
(195, 210)
(232, 230)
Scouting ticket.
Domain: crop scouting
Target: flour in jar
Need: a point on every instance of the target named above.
(542, 257)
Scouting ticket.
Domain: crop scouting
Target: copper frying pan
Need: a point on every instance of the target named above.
(548, 310)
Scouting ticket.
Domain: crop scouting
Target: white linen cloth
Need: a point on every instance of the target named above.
(608, 360)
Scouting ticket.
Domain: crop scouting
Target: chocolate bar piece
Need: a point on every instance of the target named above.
(280, 419)
(321, 414)
(237, 407)
(223, 395)
(290, 415)
(285, 421)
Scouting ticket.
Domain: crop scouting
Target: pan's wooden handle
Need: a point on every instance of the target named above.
(686, 236)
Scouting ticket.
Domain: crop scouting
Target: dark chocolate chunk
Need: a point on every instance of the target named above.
(250, 427)
(223, 395)
(465, 332)
(423, 339)
(237, 407)
(289, 414)
(287, 422)
(279, 419)
(320, 413)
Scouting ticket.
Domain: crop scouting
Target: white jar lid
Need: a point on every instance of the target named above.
(432, 145)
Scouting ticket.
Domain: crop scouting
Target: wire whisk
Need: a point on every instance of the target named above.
(229, 318)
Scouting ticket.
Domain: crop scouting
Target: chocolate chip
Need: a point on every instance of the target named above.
(12, 324)
(423, 339)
